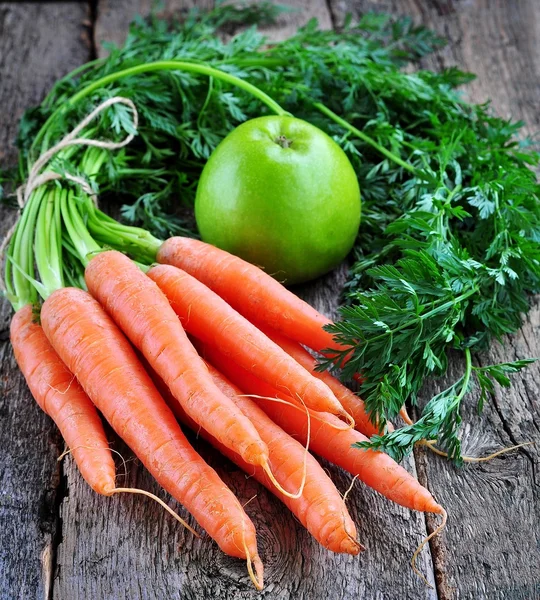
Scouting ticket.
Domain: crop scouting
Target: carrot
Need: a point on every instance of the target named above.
(209, 318)
(375, 469)
(320, 508)
(95, 350)
(251, 291)
(349, 400)
(60, 396)
(143, 313)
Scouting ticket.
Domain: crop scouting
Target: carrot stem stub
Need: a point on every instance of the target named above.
(102, 359)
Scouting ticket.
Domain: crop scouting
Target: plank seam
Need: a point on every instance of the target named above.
(62, 492)
(507, 429)
(436, 546)
(93, 14)
(333, 20)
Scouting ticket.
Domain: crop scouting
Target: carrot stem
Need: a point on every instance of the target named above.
(47, 242)
(20, 256)
(165, 65)
(360, 134)
(83, 242)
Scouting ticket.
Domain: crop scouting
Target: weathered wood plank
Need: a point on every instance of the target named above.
(114, 16)
(301, 12)
(491, 546)
(38, 44)
(128, 548)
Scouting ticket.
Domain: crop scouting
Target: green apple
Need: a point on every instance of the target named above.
(281, 194)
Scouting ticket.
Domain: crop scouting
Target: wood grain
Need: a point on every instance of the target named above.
(38, 44)
(491, 548)
(114, 16)
(301, 11)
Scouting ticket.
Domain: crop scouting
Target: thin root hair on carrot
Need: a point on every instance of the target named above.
(345, 495)
(312, 413)
(270, 475)
(257, 579)
(424, 542)
(160, 502)
(66, 390)
(348, 490)
(468, 459)
(248, 501)
(70, 450)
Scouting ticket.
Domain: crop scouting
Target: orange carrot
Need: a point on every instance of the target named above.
(320, 508)
(349, 400)
(95, 350)
(209, 318)
(60, 395)
(143, 313)
(251, 291)
(375, 469)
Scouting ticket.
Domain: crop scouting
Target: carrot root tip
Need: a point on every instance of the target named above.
(268, 471)
(349, 419)
(424, 542)
(257, 575)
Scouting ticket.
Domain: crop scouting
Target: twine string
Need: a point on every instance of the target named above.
(37, 179)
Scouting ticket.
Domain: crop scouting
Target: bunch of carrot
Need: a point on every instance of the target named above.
(116, 341)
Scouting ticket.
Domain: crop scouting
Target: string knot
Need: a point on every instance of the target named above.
(37, 179)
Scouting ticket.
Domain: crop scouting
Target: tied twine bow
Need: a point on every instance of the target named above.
(36, 179)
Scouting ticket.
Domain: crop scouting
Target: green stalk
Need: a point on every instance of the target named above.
(254, 62)
(47, 244)
(105, 229)
(132, 240)
(19, 269)
(82, 241)
(466, 377)
(73, 270)
(80, 69)
(381, 149)
(165, 65)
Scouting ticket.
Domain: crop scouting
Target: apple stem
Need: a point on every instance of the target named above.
(283, 141)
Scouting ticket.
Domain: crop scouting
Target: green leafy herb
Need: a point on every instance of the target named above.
(449, 245)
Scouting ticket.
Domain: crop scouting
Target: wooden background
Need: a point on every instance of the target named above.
(60, 540)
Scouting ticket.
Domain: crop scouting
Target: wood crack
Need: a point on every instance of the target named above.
(437, 546)
(92, 13)
(515, 442)
(508, 430)
(61, 492)
(333, 19)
